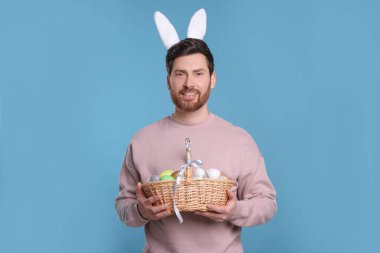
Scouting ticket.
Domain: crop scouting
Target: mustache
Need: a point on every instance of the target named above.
(193, 90)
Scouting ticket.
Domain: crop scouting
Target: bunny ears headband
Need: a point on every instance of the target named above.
(168, 34)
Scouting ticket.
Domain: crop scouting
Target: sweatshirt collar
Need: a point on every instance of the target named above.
(178, 123)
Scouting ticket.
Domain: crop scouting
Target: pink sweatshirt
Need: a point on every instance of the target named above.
(218, 144)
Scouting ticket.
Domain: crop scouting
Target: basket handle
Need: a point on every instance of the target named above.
(188, 150)
(188, 173)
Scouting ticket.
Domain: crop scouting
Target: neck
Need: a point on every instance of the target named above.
(197, 116)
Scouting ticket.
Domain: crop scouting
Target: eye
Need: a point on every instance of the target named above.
(199, 73)
(178, 74)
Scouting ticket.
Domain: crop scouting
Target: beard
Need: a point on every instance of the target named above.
(190, 106)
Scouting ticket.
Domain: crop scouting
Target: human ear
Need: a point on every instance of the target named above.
(213, 79)
(168, 81)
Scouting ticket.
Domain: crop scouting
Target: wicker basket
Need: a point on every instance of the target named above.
(192, 194)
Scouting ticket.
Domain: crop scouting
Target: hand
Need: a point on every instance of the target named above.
(221, 213)
(146, 208)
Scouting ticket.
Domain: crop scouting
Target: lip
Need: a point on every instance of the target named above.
(189, 96)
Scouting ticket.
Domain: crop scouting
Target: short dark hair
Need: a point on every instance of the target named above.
(187, 47)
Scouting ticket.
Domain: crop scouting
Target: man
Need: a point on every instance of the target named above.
(219, 144)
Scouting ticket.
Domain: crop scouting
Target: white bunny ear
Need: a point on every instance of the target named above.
(197, 26)
(166, 30)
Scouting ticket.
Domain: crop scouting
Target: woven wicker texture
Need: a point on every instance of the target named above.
(192, 194)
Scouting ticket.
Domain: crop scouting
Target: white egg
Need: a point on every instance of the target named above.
(154, 178)
(213, 173)
(199, 173)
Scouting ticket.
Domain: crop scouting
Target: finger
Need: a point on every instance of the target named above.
(162, 214)
(217, 209)
(213, 216)
(210, 214)
(160, 208)
(230, 194)
(139, 192)
(152, 199)
(149, 201)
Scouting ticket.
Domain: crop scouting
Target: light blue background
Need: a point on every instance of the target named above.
(79, 78)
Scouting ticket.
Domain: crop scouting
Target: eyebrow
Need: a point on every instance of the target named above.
(180, 70)
(184, 71)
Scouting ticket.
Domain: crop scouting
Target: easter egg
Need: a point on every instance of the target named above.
(154, 178)
(166, 177)
(166, 172)
(175, 174)
(213, 173)
(199, 173)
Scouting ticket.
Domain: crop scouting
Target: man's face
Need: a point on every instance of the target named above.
(190, 82)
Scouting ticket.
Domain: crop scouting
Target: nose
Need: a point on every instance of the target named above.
(188, 82)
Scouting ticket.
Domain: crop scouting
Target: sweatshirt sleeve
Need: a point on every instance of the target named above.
(126, 202)
(256, 195)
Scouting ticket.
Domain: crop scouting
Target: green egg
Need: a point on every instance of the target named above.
(167, 177)
(166, 172)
